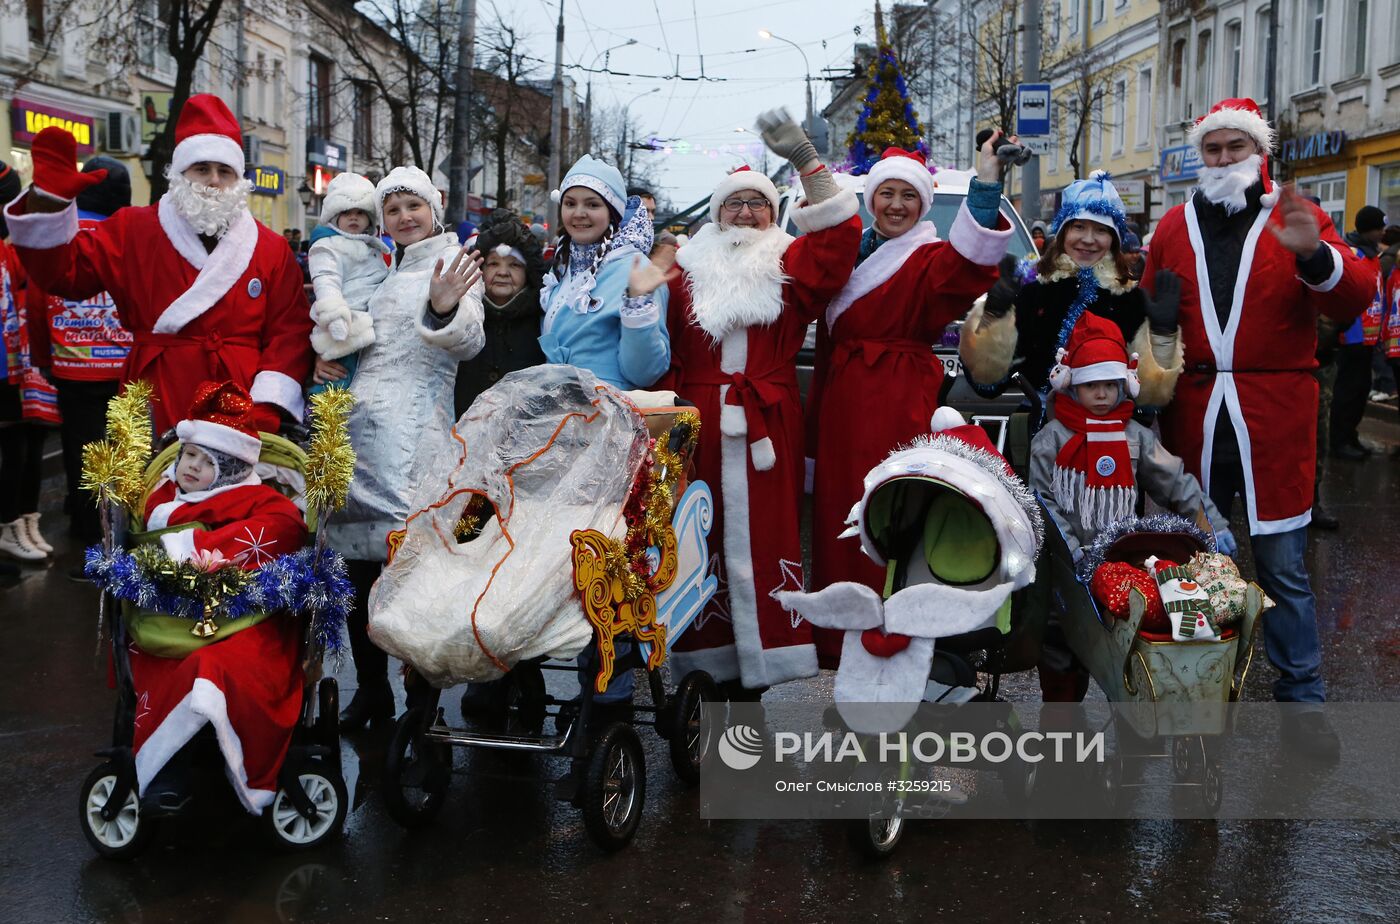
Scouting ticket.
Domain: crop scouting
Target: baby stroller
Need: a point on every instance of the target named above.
(309, 805)
(566, 526)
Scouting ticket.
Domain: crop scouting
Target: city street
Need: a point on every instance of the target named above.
(502, 850)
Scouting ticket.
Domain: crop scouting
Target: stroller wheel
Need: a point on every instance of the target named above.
(290, 829)
(1212, 788)
(1181, 757)
(1111, 781)
(689, 741)
(1018, 784)
(126, 833)
(615, 786)
(876, 838)
(416, 773)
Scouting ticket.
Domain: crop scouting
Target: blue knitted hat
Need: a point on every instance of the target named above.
(1093, 199)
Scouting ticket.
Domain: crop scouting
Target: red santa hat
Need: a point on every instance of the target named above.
(220, 418)
(1241, 114)
(1095, 353)
(207, 131)
(899, 164)
(738, 180)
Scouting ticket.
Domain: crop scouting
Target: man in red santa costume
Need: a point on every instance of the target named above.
(214, 511)
(737, 317)
(1257, 263)
(206, 291)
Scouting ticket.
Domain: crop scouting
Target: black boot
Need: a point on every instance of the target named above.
(1309, 734)
(372, 703)
(1322, 518)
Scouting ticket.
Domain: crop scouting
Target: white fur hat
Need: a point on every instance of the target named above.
(410, 180)
(739, 179)
(898, 164)
(348, 191)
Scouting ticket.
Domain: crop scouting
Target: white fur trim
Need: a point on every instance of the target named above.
(738, 181)
(1269, 199)
(179, 546)
(160, 515)
(218, 271)
(1252, 125)
(946, 418)
(842, 605)
(818, 216)
(720, 663)
(642, 319)
(273, 387)
(218, 149)
(735, 277)
(880, 267)
(211, 435)
(41, 230)
(980, 245)
(1099, 372)
(902, 168)
(987, 346)
(1328, 284)
(412, 180)
(348, 191)
(732, 421)
(762, 453)
(875, 694)
(940, 610)
(361, 335)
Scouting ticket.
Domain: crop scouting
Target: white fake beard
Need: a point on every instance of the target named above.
(735, 277)
(1227, 186)
(209, 209)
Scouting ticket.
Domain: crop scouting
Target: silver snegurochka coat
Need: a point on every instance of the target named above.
(400, 427)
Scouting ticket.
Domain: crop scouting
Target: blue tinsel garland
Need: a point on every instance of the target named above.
(1087, 295)
(297, 582)
(1073, 207)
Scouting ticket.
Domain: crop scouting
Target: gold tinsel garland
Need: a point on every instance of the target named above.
(114, 468)
(330, 460)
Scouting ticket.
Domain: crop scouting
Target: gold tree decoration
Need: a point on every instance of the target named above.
(330, 459)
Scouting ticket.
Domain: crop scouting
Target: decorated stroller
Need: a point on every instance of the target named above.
(566, 526)
(164, 611)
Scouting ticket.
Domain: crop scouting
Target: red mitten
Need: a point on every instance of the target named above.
(266, 417)
(1110, 585)
(55, 157)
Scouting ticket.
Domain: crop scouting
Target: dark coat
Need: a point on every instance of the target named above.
(512, 343)
(1041, 310)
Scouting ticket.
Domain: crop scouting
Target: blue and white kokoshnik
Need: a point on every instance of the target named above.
(1094, 199)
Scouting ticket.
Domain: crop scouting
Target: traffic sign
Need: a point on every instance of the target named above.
(1032, 109)
(1040, 145)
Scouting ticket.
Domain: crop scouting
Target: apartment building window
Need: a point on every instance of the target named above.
(1358, 14)
(1331, 191)
(35, 10)
(1315, 10)
(1098, 10)
(1120, 114)
(1176, 96)
(1261, 61)
(1205, 77)
(318, 97)
(153, 18)
(1144, 107)
(1236, 56)
(1055, 13)
(279, 77)
(1073, 16)
(364, 122)
(1095, 154)
(262, 79)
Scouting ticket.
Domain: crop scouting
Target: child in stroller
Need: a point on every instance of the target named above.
(241, 676)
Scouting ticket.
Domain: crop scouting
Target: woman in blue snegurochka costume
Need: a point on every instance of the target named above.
(1082, 269)
(604, 300)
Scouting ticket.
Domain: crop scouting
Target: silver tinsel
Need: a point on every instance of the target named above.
(1157, 523)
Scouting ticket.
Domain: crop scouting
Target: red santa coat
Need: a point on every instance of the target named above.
(1258, 369)
(877, 380)
(247, 686)
(238, 313)
(734, 344)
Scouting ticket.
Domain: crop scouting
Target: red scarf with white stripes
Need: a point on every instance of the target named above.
(1094, 471)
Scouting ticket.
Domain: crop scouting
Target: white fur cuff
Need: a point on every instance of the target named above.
(1328, 284)
(828, 214)
(761, 451)
(982, 246)
(41, 230)
(179, 546)
(271, 387)
(361, 336)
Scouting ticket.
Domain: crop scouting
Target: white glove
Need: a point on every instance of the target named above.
(333, 314)
(339, 329)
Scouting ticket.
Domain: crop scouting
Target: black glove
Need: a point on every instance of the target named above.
(1164, 305)
(1004, 292)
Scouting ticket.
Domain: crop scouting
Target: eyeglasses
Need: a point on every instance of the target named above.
(755, 205)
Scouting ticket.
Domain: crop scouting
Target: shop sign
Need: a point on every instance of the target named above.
(28, 119)
(1134, 195)
(323, 153)
(1179, 163)
(1322, 144)
(267, 181)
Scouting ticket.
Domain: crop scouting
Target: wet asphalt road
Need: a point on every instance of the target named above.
(502, 850)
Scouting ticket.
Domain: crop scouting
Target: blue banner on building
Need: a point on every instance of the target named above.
(1182, 162)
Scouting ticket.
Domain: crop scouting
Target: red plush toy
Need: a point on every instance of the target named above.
(1110, 585)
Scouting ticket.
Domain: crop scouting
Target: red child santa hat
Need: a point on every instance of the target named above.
(1095, 353)
(207, 131)
(738, 180)
(220, 418)
(899, 164)
(1241, 114)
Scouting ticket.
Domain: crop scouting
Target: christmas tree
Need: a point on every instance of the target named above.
(888, 118)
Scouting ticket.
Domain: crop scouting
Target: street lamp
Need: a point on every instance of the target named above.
(766, 35)
(588, 96)
(622, 145)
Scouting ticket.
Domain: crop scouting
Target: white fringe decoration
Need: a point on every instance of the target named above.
(1098, 507)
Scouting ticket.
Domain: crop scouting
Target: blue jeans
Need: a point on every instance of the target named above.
(621, 685)
(1290, 628)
